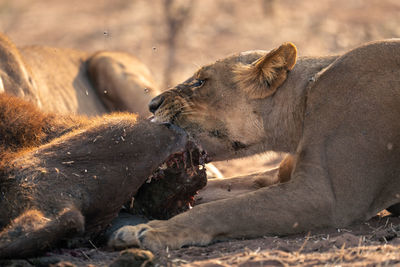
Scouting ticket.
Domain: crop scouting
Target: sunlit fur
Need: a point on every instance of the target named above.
(75, 82)
(261, 78)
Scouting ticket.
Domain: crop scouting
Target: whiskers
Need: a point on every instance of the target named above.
(179, 110)
(193, 110)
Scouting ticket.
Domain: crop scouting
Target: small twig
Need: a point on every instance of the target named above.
(86, 256)
(387, 221)
(304, 243)
(359, 246)
(91, 243)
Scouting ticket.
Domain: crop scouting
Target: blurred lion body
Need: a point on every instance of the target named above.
(71, 81)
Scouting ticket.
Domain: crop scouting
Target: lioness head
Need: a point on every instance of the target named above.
(223, 105)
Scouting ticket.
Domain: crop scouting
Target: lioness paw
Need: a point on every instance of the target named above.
(127, 236)
(156, 236)
(141, 235)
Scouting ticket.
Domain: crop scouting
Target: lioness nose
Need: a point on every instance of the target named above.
(155, 103)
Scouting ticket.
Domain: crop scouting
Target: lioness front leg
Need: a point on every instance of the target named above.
(217, 189)
(305, 202)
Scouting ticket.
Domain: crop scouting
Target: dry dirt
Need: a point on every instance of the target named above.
(214, 29)
(372, 243)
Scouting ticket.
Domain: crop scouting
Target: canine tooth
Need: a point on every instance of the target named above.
(131, 204)
(163, 166)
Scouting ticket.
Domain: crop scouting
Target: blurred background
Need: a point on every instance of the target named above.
(174, 37)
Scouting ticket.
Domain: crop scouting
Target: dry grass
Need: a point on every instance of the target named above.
(385, 255)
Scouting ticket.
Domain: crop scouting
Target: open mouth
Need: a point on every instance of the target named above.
(171, 188)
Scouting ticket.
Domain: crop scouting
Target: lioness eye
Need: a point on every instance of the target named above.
(198, 83)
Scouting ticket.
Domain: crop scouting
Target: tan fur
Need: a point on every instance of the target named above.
(265, 75)
(71, 81)
(285, 169)
(66, 176)
(338, 116)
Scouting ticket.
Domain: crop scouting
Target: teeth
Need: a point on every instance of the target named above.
(163, 166)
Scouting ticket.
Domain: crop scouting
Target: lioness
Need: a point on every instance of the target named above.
(71, 81)
(65, 175)
(338, 116)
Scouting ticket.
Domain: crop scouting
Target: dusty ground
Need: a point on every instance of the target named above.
(214, 29)
(372, 243)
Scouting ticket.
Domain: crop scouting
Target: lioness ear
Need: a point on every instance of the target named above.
(261, 78)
